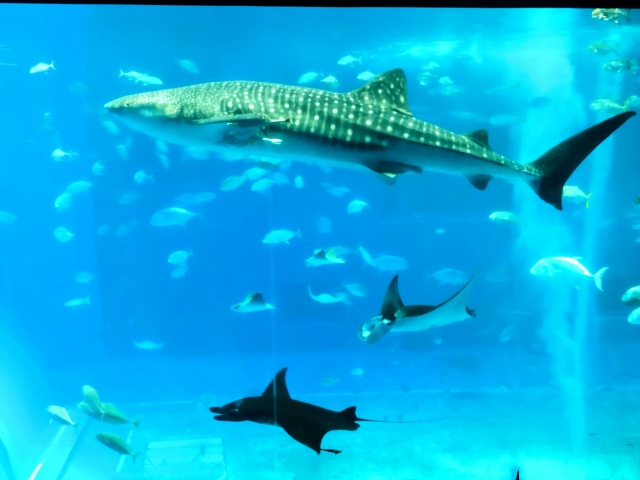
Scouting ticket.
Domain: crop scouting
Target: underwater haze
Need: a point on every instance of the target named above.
(370, 198)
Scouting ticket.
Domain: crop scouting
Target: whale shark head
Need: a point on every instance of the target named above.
(148, 112)
(172, 115)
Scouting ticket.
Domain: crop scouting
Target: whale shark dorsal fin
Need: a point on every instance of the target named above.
(392, 301)
(388, 89)
(479, 137)
(280, 386)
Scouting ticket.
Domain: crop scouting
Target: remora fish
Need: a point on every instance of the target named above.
(395, 316)
(305, 423)
(368, 129)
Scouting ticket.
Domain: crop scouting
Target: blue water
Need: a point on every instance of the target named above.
(542, 380)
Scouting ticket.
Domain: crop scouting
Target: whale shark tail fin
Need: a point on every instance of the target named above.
(557, 165)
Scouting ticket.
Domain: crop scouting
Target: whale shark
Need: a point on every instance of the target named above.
(370, 129)
(395, 316)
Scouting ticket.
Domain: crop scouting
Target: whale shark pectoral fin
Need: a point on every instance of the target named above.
(278, 387)
(388, 178)
(389, 168)
(479, 181)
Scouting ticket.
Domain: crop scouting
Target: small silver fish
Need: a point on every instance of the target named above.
(97, 169)
(62, 234)
(425, 78)
(142, 78)
(575, 195)
(63, 202)
(621, 65)
(610, 14)
(172, 216)
(349, 60)
(450, 276)
(189, 66)
(114, 442)
(384, 263)
(233, 182)
(41, 67)
(331, 81)
(337, 191)
(607, 105)
(309, 77)
(356, 206)
(603, 48)
(76, 302)
(280, 236)
(565, 267)
(180, 271)
(78, 187)
(631, 101)
(148, 345)
(505, 217)
(179, 256)
(91, 400)
(366, 76)
(60, 415)
(632, 297)
(263, 185)
(143, 178)
(60, 155)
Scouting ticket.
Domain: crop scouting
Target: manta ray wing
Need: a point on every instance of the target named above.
(422, 317)
(308, 424)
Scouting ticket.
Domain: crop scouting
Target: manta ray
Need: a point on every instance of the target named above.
(305, 423)
(395, 316)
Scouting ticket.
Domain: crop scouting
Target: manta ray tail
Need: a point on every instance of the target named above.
(557, 165)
